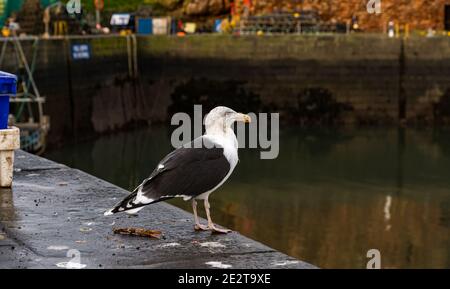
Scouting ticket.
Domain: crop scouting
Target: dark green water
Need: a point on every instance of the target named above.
(327, 199)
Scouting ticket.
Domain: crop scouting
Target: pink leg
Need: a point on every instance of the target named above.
(197, 226)
(211, 226)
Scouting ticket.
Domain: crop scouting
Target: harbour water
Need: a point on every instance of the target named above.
(329, 197)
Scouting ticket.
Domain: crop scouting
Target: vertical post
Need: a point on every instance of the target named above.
(46, 21)
(99, 5)
(97, 18)
(135, 57)
(406, 30)
(9, 142)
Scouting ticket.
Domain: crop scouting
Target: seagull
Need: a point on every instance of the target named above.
(193, 171)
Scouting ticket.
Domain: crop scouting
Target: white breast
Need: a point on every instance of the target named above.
(230, 150)
(229, 143)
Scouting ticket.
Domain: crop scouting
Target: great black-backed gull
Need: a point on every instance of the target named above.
(192, 171)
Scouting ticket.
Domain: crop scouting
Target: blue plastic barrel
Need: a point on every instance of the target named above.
(8, 87)
(145, 26)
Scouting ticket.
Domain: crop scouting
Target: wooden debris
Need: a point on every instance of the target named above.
(138, 232)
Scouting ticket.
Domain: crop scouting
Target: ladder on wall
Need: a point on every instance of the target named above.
(27, 107)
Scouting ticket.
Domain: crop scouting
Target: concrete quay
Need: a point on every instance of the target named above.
(53, 218)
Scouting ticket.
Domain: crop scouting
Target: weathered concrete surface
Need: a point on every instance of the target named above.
(53, 208)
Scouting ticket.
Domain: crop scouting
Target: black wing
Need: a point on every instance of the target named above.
(187, 172)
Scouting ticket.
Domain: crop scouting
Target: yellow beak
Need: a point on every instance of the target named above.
(245, 118)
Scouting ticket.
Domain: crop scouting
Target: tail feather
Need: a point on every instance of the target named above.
(128, 205)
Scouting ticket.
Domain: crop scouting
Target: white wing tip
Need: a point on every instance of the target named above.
(133, 211)
(108, 213)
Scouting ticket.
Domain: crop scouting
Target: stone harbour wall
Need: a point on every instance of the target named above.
(310, 80)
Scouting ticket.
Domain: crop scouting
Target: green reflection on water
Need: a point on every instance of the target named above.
(328, 198)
